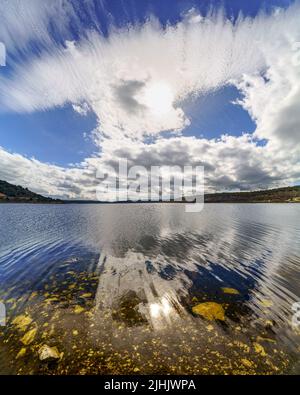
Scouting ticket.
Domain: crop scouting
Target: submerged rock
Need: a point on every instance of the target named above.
(49, 354)
(210, 311)
(22, 322)
(29, 337)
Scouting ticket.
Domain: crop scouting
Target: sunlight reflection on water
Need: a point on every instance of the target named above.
(149, 265)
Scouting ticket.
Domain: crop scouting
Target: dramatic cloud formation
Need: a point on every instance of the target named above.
(45, 178)
(122, 77)
(135, 81)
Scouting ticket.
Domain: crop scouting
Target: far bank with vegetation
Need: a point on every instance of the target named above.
(10, 193)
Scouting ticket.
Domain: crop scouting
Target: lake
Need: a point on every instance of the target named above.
(149, 288)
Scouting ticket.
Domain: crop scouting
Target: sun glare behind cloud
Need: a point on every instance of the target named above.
(158, 97)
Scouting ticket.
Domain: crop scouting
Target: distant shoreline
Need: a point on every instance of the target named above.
(143, 202)
(10, 193)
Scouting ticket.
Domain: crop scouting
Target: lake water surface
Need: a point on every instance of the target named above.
(117, 288)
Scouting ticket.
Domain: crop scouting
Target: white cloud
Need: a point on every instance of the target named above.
(273, 100)
(135, 81)
(115, 75)
(47, 179)
(22, 22)
(231, 163)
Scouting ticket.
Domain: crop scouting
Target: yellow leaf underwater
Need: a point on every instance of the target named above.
(78, 309)
(247, 363)
(87, 295)
(33, 295)
(210, 311)
(50, 300)
(22, 322)
(259, 349)
(265, 339)
(21, 353)
(241, 345)
(29, 337)
(266, 303)
(231, 291)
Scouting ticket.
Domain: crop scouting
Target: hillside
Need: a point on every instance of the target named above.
(279, 195)
(10, 193)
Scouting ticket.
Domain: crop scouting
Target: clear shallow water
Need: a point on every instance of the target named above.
(113, 287)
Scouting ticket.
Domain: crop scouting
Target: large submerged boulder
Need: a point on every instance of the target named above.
(210, 311)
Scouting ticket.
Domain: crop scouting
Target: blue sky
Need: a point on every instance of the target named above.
(84, 79)
(58, 135)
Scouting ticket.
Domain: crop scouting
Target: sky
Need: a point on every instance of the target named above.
(159, 82)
